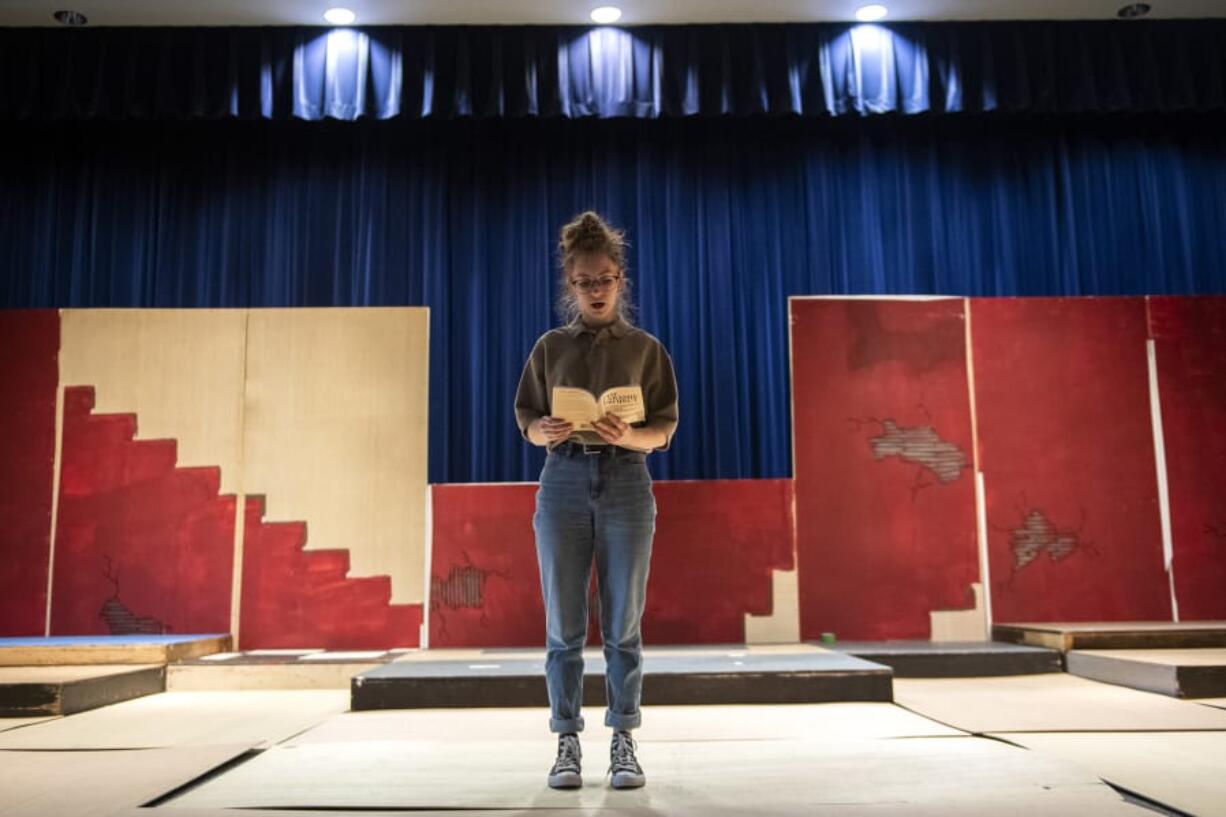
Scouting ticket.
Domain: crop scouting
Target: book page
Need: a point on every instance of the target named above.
(624, 401)
(576, 406)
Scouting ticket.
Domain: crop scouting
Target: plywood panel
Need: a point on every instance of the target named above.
(1066, 449)
(885, 507)
(141, 545)
(180, 371)
(1190, 346)
(720, 540)
(335, 433)
(29, 345)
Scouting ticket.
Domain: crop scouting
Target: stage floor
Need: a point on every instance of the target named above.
(1026, 746)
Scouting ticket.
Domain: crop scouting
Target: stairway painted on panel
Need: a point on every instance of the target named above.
(143, 543)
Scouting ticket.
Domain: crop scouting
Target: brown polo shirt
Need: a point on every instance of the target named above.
(597, 359)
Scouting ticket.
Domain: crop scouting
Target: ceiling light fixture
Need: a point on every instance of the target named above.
(340, 16)
(606, 14)
(1134, 10)
(871, 14)
(70, 18)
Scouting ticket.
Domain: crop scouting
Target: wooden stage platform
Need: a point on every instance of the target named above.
(718, 674)
(61, 675)
(1113, 635)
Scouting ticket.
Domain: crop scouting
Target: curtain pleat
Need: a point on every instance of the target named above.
(810, 70)
(726, 219)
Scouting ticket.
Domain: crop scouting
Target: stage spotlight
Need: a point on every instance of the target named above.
(871, 14)
(1134, 10)
(606, 14)
(70, 18)
(340, 16)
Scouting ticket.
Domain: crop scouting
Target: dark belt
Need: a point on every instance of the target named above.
(571, 448)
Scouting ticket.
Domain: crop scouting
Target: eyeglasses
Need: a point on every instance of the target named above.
(588, 284)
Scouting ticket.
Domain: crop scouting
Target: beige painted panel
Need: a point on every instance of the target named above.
(335, 434)
(960, 625)
(179, 370)
(782, 626)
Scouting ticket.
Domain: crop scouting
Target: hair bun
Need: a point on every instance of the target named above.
(589, 233)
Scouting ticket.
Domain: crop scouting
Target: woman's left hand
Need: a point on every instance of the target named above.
(612, 429)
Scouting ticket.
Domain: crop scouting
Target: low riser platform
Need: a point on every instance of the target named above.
(1187, 679)
(1114, 635)
(74, 650)
(63, 696)
(955, 659)
(671, 676)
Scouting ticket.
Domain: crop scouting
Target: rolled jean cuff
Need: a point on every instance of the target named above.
(625, 722)
(562, 725)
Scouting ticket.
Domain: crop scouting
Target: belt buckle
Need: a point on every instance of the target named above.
(594, 451)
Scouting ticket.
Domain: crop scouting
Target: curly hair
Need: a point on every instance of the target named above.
(589, 234)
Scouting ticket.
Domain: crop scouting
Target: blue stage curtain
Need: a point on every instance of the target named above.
(813, 70)
(726, 219)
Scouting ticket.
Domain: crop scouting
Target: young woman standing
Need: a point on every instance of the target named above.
(595, 501)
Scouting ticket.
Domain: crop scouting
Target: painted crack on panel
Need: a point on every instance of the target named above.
(1036, 534)
(119, 619)
(463, 588)
(920, 445)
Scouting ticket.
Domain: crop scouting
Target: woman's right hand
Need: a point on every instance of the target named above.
(554, 428)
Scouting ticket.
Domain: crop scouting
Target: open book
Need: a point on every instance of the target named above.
(580, 406)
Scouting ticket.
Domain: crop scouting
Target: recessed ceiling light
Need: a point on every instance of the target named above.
(871, 14)
(340, 16)
(1134, 10)
(70, 18)
(606, 14)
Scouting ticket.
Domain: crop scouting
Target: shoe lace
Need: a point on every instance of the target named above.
(569, 754)
(621, 754)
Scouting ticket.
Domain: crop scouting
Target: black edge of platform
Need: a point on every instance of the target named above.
(664, 689)
(1200, 682)
(1145, 641)
(35, 698)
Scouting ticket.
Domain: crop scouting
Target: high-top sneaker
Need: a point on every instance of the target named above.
(623, 765)
(565, 771)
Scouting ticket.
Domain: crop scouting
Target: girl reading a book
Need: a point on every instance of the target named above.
(594, 503)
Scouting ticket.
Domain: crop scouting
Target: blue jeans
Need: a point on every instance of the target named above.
(597, 506)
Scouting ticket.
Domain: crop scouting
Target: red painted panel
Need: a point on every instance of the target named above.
(141, 546)
(485, 587)
(715, 546)
(885, 503)
(1190, 344)
(301, 598)
(717, 543)
(1066, 449)
(29, 347)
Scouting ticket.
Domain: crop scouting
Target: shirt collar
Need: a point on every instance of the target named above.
(617, 329)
